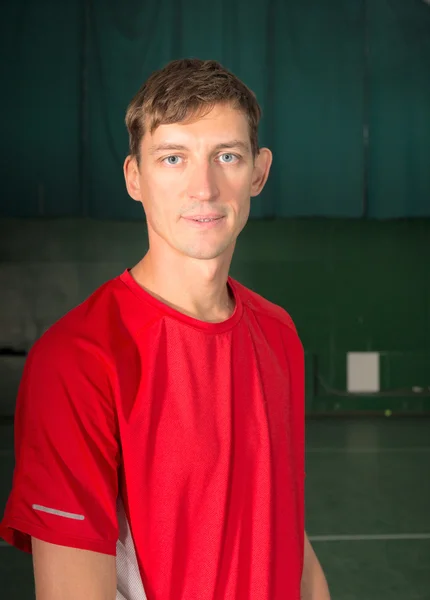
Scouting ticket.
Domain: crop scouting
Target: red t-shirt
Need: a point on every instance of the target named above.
(175, 444)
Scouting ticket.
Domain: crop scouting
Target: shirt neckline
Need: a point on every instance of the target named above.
(127, 278)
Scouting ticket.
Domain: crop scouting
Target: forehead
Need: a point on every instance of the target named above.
(221, 123)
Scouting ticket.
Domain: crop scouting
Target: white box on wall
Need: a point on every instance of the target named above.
(363, 372)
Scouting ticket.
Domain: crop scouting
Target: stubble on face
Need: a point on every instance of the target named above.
(194, 171)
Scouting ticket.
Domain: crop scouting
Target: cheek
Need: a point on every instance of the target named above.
(240, 192)
(242, 195)
(157, 195)
(244, 213)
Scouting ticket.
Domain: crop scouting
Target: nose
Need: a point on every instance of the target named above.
(202, 184)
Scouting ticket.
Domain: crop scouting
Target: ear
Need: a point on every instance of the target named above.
(131, 175)
(262, 166)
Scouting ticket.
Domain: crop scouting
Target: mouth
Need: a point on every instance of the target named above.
(209, 220)
(204, 220)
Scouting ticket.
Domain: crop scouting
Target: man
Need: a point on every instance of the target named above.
(160, 424)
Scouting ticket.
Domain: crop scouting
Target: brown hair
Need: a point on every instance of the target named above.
(186, 88)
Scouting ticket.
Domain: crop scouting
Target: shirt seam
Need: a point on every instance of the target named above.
(163, 315)
(263, 313)
(207, 331)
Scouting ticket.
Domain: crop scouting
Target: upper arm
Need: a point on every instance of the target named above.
(65, 483)
(72, 574)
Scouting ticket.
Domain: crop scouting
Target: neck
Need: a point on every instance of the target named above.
(197, 288)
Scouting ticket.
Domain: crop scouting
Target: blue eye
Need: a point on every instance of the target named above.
(229, 158)
(172, 160)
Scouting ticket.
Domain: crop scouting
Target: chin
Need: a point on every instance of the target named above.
(205, 253)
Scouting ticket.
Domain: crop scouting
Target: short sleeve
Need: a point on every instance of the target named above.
(65, 482)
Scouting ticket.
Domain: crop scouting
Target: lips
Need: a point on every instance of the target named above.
(204, 222)
(204, 218)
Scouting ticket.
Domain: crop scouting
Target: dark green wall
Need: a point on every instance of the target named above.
(349, 285)
(325, 72)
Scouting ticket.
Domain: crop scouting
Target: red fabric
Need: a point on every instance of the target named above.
(199, 427)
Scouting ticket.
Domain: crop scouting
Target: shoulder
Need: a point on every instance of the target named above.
(100, 326)
(262, 307)
(71, 371)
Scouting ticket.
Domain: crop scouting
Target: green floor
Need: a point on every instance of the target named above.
(366, 478)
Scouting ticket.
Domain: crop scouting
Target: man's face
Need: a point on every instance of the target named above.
(195, 181)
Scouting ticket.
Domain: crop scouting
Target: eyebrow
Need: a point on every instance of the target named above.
(244, 146)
